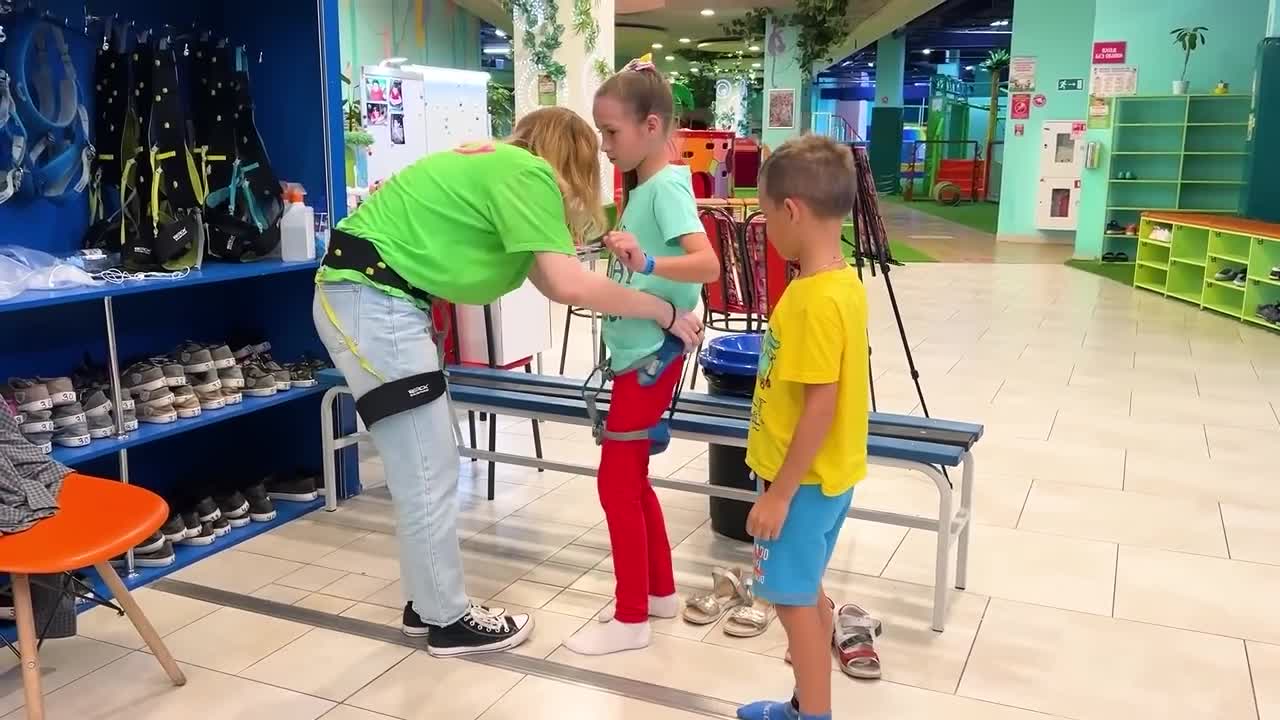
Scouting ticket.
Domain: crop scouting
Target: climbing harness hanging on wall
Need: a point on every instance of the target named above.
(177, 189)
(111, 105)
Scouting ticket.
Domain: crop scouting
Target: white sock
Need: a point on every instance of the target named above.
(610, 637)
(665, 606)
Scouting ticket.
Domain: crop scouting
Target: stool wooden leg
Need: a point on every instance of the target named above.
(140, 621)
(27, 647)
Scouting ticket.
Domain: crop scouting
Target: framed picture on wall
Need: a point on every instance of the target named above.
(782, 110)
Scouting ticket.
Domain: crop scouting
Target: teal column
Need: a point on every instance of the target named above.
(1273, 19)
(891, 55)
(785, 82)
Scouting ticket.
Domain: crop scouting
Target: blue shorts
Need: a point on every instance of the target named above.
(789, 570)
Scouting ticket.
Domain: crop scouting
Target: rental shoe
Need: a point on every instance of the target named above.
(72, 436)
(1275, 273)
(64, 415)
(207, 510)
(204, 536)
(1226, 274)
(101, 427)
(42, 441)
(161, 556)
(129, 420)
(261, 509)
(258, 382)
(142, 376)
(194, 357)
(301, 375)
(221, 527)
(292, 487)
(161, 396)
(28, 395)
(223, 358)
(231, 396)
(1241, 279)
(151, 544)
(1113, 228)
(94, 401)
(185, 402)
(246, 345)
(283, 378)
(175, 529)
(174, 373)
(204, 382)
(479, 632)
(37, 421)
(235, 508)
(211, 399)
(232, 377)
(157, 414)
(61, 390)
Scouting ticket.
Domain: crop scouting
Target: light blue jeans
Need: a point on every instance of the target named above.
(417, 447)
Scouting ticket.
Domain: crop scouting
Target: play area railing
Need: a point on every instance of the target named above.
(953, 179)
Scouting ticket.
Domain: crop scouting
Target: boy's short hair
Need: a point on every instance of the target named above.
(814, 170)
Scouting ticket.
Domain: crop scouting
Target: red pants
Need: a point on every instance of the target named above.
(637, 530)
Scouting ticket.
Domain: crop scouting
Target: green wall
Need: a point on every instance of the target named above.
(427, 32)
(1228, 54)
(783, 72)
(1060, 36)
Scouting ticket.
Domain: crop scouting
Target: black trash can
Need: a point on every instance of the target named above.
(729, 365)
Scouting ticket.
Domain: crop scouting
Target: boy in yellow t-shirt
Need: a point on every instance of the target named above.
(808, 437)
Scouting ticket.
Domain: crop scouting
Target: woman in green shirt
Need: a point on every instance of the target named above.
(466, 226)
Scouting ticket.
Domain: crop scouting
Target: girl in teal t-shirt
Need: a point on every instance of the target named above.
(660, 249)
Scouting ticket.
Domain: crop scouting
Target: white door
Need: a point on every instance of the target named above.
(1057, 201)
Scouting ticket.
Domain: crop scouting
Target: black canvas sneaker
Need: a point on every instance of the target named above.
(151, 544)
(205, 535)
(207, 510)
(221, 526)
(411, 623)
(162, 556)
(175, 529)
(261, 509)
(292, 487)
(235, 508)
(479, 632)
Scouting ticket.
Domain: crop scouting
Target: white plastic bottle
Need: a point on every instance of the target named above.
(297, 230)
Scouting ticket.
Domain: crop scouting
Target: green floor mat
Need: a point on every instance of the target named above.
(982, 216)
(744, 193)
(1120, 272)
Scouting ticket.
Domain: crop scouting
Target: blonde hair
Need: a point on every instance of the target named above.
(570, 146)
(814, 170)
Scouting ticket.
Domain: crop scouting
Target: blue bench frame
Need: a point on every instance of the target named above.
(913, 443)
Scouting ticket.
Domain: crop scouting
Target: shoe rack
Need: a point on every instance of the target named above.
(48, 332)
(1200, 247)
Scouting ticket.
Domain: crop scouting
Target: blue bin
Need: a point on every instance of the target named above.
(729, 363)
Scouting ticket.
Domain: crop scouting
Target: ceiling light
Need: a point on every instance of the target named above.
(708, 12)
(695, 70)
(671, 58)
(871, 64)
(685, 41)
(703, 44)
(656, 46)
(968, 67)
(498, 50)
(926, 51)
(754, 48)
(755, 65)
(500, 32)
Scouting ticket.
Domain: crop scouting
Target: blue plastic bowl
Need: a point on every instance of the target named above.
(740, 349)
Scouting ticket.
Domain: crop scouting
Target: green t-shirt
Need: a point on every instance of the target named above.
(463, 225)
(659, 212)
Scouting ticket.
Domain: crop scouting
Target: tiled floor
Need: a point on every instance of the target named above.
(1124, 564)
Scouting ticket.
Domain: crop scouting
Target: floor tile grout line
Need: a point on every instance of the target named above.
(1253, 685)
(969, 655)
(1115, 582)
(1222, 518)
(1026, 499)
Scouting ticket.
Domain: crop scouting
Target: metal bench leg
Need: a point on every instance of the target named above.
(28, 647)
(537, 431)
(942, 562)
(493, 447)
(471, 424)
(564, 344)
(328, 450)
(140, 622)
(966, 507)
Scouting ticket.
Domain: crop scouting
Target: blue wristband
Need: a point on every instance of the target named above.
(649, 264)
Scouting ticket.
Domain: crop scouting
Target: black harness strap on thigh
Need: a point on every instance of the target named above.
(401, 395)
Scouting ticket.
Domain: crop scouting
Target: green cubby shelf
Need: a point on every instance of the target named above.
(1200, 246)
(1176, 152)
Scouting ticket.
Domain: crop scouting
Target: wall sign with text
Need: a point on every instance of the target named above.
(1110, 53)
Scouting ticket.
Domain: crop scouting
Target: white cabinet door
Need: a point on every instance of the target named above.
(1057, 200)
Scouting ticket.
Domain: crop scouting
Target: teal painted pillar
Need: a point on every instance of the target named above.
(785, 82)
(891, 56)
(1273, 19)
(949, 69)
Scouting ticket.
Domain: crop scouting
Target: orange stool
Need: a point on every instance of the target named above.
(99, 519)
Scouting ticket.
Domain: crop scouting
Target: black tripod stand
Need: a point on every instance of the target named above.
(871, 251)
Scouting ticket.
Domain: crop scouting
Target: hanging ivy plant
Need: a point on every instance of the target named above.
(749, 27)
(602, 69)
(822, 24)
(585, 24)
(542, 35)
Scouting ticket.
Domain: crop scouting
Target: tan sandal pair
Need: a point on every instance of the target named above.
(731, 593)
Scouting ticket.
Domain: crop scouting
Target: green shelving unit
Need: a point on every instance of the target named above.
(1199, 246)
(1185, 152)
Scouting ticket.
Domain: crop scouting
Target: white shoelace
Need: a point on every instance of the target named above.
(486, 620)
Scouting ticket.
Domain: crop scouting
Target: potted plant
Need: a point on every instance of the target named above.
(1188, 38)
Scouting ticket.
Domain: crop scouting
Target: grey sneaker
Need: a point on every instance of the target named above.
(231, 396)
(37, 421)
(28, 395)
(222, 356)
(130, 420)
(174, 374)
(211, 399)
(94, 402)
(258, 382)
(185, 402)
(61, 391)
(195, 358)
(72, 436)
(142, 376)
(43, 441)
(161, 396)
(283, 378)
(205, 382)
(158, 414)
(64, 415)
(232, 377)
(101, 427)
